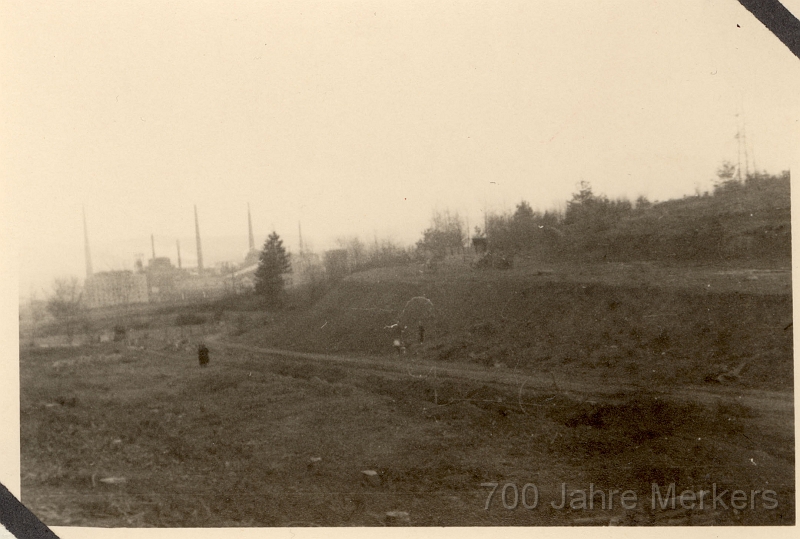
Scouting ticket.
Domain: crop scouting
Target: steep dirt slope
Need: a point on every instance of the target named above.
(642, 330)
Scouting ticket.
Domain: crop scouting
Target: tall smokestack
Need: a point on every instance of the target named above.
(178, 245)
(87, 253)
(199, 247)
(300, 234)
(250, 229)
(153, 245)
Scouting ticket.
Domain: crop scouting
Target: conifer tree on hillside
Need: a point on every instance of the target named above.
(273, 263)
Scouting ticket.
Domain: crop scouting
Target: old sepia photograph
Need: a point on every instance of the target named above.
(373, 263)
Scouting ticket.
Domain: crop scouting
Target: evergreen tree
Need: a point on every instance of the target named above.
(273, 263)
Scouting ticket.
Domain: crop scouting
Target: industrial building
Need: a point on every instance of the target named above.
(161, 282)
(110, 288)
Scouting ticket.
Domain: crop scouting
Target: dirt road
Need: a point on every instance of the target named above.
(777, 407)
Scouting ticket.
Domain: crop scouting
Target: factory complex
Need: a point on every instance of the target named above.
(159, 281)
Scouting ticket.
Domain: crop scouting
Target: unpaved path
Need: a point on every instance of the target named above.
(777, 408)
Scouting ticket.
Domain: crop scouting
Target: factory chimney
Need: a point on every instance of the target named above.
(250, 229)
(88, 254)
(199, 247)
(153, 246)
(178, 244)
(300, 234)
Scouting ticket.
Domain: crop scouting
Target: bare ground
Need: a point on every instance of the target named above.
(233, 444)
(114, 435)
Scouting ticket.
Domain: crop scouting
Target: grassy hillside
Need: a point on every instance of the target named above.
(742, 223)
(643, 330)
(750, 223)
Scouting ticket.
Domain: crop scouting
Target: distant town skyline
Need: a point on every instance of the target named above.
(364, 119)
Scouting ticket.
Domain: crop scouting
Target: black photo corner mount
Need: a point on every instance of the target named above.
(778, 20)
(19, 521)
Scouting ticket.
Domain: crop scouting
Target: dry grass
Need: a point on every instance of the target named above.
(231, 445)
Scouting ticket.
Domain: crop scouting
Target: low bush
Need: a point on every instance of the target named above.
(189, 319)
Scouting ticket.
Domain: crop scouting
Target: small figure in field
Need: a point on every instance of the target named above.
(415, 315)
(202, 355)
(397, 333)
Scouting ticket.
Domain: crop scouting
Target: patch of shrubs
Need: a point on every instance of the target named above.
(189, 319)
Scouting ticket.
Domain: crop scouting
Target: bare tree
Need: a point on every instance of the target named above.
(445, 235)
(66, 304)
(37, 313)
(356, 252)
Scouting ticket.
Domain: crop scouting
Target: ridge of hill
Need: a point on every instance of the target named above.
(752, 222)
(742, 222)
(665, 293)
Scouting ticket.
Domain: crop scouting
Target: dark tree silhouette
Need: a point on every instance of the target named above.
(273, 263)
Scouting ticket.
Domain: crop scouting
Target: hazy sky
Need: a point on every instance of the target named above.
(362, 117)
